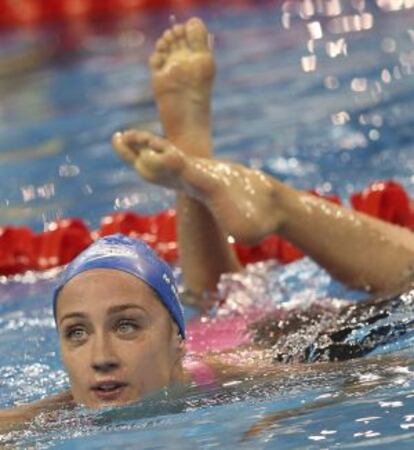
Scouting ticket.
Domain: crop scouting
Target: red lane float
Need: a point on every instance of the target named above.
(29, 12)
(387, 200)
(33, 12)
(22, 250)
(158, 231)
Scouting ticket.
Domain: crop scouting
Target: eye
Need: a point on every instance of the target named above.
(126, 327)
(76, 334)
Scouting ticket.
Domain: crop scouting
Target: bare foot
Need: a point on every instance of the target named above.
(155, 159)
(244, 201)
(182, 76)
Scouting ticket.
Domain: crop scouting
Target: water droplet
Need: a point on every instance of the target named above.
(315, 30)
(359, 84)
(309, 63)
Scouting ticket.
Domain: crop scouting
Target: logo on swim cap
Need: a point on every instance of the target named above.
(133, 256)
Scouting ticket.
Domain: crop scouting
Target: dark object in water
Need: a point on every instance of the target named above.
(317, 335)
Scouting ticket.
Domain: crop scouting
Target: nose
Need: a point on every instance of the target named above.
(103, 357)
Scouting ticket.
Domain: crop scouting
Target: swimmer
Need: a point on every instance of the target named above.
(119, 320)
(112, 320)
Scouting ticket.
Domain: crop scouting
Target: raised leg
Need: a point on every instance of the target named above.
(243, 201)
(183, 71)
(357, 249)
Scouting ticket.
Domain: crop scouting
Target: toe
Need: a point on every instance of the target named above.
(196, 34)
(161, 45)
(174, 45)
(158, 144)
(148, 165)
(179, 31)
(125, 152)
(168, 37)
(141, 166)
(136, 138)
(157, 60)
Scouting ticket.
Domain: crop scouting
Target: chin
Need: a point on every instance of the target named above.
(121, 401)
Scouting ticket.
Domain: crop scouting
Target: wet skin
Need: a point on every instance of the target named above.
(118, 342)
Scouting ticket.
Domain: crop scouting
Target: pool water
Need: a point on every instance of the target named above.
(319, 100)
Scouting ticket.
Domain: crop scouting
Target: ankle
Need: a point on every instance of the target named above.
(287, 206)
(194, 143)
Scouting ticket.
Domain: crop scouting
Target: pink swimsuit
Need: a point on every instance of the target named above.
(218, 334)
(205, 334)
(201, 373)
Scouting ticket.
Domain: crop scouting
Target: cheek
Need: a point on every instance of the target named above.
(139, 357)
(73, 360)
(150, 361)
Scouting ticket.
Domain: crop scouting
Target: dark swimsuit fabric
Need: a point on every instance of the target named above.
(358, 329)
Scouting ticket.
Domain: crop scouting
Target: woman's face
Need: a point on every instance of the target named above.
(117, 340)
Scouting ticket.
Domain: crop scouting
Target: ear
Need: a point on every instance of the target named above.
(178, 342)
(182, 348)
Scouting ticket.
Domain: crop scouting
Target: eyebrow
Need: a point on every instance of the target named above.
(120, 308)
(112, 310)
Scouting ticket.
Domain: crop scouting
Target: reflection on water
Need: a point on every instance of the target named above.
(319, 93)
(338, 404)
(307, 400)
(350, 110)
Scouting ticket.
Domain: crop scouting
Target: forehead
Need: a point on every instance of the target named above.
(103, 288)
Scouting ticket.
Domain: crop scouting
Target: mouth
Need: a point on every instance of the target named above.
(110, 390)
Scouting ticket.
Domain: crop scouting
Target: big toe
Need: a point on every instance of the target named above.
(123, 150)
(197, 34)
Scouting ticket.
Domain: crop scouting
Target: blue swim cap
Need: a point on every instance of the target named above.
(133, 256)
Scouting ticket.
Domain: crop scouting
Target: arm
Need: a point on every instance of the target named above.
(16, 418)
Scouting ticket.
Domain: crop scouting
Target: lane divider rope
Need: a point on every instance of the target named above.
(22, 250)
